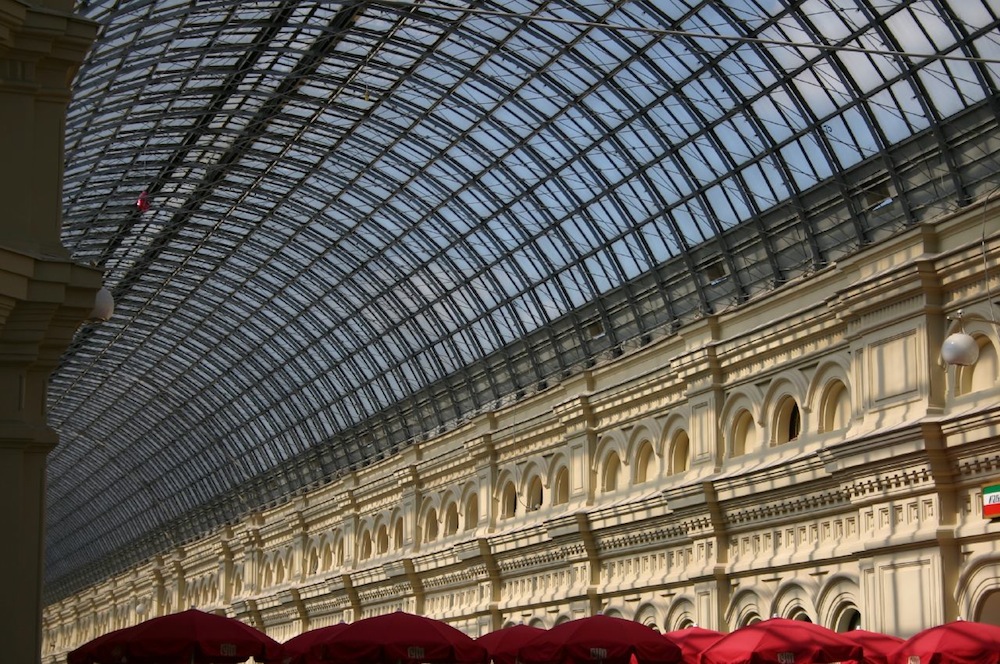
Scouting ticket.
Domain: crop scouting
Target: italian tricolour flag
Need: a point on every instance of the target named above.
(991, 501)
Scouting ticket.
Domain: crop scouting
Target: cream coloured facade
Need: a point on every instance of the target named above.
(804, 454)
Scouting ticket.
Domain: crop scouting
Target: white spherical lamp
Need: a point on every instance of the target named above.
(960, 348)
(104, 305)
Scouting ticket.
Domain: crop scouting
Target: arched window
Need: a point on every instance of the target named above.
(798, 613)
(365, 551)
(835, 407)
(535, 494)
(451, 519)
(279, 572)
(472, 512)
(643, 462)
(680, 453)
(431, 525)
(612, 467)
(327, 558)
(744, 436)
(981, 375)
(848, 618)
(988, 610)
(397, 534)
(508, 501)
(787, 421)
(560, 496)
(382, 539)
(340, 553)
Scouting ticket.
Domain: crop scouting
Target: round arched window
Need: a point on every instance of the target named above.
(535, 494)
(644, 462)
(787, 421)
(680, 453)
(561, 494)
(744, 434)
(612, 466)
(451, 519)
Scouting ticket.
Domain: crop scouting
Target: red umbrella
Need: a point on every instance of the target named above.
(88, 652)
(959, 642)
(876, 645)
(692, 640)
(297, 648)
(503, 644)
(188, 637)
(781, 641)
(398, 638)
(602, 639)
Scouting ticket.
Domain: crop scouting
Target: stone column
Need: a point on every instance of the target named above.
(44, 296)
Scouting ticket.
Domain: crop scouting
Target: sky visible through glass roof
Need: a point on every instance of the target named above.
(371, 220)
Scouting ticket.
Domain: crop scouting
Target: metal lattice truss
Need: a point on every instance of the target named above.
(368, 221)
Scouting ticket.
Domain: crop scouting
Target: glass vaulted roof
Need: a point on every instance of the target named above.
(369, 221)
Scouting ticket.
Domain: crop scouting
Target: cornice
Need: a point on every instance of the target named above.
(813, 503)
(626, 540)
(464, 577)
(542, 559)
(47, 46)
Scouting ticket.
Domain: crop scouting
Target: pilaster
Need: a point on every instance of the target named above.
(44, 296)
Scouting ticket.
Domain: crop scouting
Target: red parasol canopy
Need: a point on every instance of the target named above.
(602, 639)
(504, 644)
(297, 648)
(781, 641)
(188, 637)
(88, 652)
(398, 638)
(959, 642)
(876, 645)
(692, 640)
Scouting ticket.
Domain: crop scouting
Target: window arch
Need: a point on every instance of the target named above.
(430, 525)
(451, 519)
(848, 619)
(397, 534)
(327, 561)
(560, 495)
(612, 467)
(382, 540)
(643, 462)
(787, 421)
(835, 407)
(535, 494)
(365, 551)
(279, 571)
(680, 453)
(508, 501)
(744, 434)
(981, 375)
(238, 584)
(472, 512)
(646, 615)
(989, 609)
(798, 613)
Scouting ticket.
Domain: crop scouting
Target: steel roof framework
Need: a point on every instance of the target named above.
(371, 220)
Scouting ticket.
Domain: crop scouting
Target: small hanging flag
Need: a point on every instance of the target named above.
(142, 202)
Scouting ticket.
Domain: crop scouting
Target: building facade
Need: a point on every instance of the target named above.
(807, 454)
